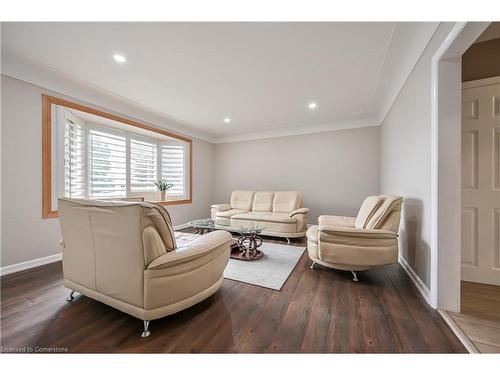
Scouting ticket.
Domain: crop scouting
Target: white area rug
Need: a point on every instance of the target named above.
(269, 272)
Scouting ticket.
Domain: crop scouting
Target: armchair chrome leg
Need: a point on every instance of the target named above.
(354, 276)
(312, 265)
(70, 298)
(146, 331)
(287, 240)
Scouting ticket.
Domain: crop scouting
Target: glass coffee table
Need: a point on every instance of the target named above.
(246, 247)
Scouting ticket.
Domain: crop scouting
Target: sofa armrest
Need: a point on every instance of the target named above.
(299, 211)
(341, 231)
(221, 207)
(193, 250)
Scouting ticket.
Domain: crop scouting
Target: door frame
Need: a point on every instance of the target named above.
(446, 94)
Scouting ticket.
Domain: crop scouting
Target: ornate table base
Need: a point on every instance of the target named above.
(246, 248)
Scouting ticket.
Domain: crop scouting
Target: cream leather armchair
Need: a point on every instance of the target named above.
(358, 243)
(126, 255)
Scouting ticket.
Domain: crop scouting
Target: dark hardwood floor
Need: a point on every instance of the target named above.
(317, 311)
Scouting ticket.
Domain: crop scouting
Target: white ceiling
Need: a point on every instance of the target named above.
(261, 75)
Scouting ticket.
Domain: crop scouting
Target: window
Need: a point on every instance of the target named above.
(120, 163)
(173, 167)
(143, 165)
(74, 158)
(96, 156)
(107, 165)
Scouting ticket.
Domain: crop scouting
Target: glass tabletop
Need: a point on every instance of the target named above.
(202, 223)
(240, 228)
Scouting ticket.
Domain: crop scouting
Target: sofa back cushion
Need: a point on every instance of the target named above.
(242, 199)
(156, 215)
(387, 215)
(366, 211)
(286, 201)
(263, 201)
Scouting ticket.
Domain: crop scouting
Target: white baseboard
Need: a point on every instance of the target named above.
(7, 270)
(421, 287)
(30, 264)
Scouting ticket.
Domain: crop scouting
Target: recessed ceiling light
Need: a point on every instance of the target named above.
(227, 120)
(119, 58)
(312, 105)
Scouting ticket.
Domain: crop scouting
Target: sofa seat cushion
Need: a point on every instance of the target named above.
(272, 221)
(252, 216)
(224, 218)
(275, 217)
(230, 213)
(279, 217)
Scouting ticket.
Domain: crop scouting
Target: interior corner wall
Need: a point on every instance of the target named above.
(25, 235)
(405, 159)
(335, 170)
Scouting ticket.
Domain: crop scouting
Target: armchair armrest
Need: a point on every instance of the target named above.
(359, 247)
(193, 250)
(221, 207)
(341, 231)
(299, 211)
(344, 221)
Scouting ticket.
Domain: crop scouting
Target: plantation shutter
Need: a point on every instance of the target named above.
(74, 159)
(108, 164)
(173, 167)
(143, 165)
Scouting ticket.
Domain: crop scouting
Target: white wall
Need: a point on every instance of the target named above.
(405, 159)
(334, 170)
(0, 141)
(25, 235)
(321, 165)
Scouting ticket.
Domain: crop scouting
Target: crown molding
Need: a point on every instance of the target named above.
(298, 130)
(51, 79)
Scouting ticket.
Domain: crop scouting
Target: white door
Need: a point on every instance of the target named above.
(480, 241)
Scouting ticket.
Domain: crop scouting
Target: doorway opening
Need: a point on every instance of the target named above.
(468, 155)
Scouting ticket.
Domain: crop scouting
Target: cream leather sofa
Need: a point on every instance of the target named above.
(358, 243)
(126, 255)
(281, 212)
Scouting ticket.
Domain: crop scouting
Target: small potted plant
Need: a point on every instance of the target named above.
(163, 185)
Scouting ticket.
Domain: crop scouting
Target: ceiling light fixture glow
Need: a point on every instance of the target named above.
(312, 105)
(227, 120)
(119, 58)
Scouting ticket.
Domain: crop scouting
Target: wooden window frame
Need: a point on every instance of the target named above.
(47, 101)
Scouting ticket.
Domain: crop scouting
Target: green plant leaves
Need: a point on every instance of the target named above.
(162, 184)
